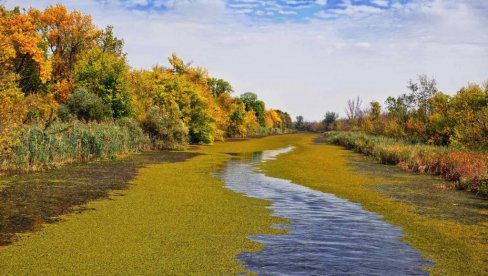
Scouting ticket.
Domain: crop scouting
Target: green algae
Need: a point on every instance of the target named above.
(176, 218)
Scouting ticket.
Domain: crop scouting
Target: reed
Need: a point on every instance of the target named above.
(43, 148)
(467, 168)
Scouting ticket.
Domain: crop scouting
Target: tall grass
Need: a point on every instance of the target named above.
(467, 168)
(41, 148)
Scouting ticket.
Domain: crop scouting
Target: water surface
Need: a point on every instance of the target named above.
(327, 235)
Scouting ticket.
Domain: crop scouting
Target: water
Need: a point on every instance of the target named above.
(328, 235)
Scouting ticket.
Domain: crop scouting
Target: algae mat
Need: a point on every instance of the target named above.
(176, 219)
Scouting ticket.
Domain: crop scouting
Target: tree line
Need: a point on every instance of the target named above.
(423, 115)
(59, 70)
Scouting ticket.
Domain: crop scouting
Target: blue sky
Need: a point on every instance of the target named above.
(305, 56)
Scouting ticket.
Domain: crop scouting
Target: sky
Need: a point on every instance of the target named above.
(305, 57)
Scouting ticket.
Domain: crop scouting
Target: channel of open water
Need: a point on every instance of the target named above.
(327, 235)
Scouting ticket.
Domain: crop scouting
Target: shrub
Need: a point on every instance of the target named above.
(165, 127)
(87, 106)
(469, 169)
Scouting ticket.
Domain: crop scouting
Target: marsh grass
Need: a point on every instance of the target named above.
(468, 169)
(43, 148)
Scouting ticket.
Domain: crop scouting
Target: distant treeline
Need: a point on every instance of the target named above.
(67, 93)
(422, 131)
(424, 115)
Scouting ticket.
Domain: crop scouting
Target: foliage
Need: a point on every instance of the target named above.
(426, 115)
(253, 104)
(106, 74)
(42, 109)
(55, 64)
(165, 128)
(329, 120)
(12, 113)
(469, 169)
(87, 106)
(219, 86)
(40, 148)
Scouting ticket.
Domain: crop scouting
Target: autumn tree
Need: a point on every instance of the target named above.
(12, 113)
(103, 69)
(353, 111)
(252, 103)
(67, 34)
(22, 50)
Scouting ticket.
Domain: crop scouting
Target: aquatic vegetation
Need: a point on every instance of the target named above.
(29, 201)
(41, 148)
(175, 219)
(467, 168)
(456, 246)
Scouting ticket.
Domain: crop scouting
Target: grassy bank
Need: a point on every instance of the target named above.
(41, 148)
(469, 170)
(457, 247)
(176, 219)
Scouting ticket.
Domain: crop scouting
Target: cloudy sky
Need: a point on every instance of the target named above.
(304, 56)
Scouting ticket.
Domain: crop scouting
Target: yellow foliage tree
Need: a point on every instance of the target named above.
(12, 112)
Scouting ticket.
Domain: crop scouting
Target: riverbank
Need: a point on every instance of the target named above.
(468, 170)
(457, 245)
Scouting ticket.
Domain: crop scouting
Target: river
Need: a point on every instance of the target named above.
(327, 235)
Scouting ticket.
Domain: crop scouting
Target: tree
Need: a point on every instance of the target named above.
(87, 106)
(219, 86)
(299, 123)
(12, 113)
(67, 34)
(237, 125)
(286, 122)
(329, 120)
(252, 103)
(420, 94)
(165, 127)
(353, 109)
(106, 73)
(22, 50)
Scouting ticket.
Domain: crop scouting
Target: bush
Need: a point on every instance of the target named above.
(469, 169)
(165, 128)
(87, 106)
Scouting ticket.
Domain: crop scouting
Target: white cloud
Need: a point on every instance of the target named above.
(309, 68)
(321, 2)
(382, 3)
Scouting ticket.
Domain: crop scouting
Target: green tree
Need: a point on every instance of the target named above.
(329, 120)
(219, 86)
(252, 103)
(107, 75)
(299, 123)
(87, 106)
(165, 127)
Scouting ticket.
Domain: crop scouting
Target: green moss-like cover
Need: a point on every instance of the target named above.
(455, 247)
(176, 219)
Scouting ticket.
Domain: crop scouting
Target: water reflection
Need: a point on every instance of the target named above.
(328, 235)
